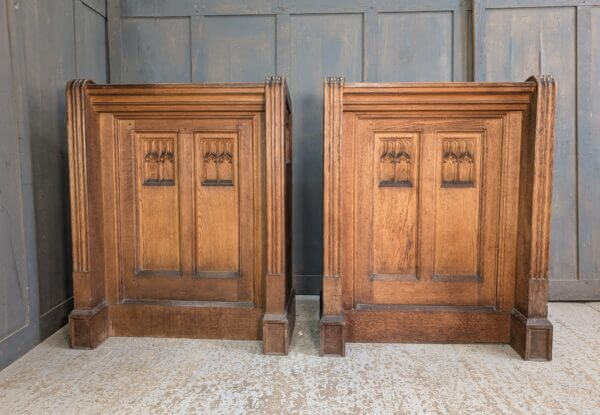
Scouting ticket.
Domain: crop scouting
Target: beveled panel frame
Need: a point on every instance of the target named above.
(525, 112)
(101, 115)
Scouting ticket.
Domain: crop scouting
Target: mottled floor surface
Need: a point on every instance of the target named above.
(147, 375)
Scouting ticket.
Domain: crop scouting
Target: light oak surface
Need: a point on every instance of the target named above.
(180, 208)
(436, 213)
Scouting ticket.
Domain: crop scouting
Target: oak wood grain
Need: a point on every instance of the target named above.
(436, 213)
(181, 207)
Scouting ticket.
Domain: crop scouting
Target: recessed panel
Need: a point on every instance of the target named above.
(235, 49)
(155, 50)
(216, 205)
(457, 207)
(415, 46)
(157, 200)
(395, 194)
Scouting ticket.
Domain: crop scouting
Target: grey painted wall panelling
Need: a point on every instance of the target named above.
(166, 8)
(14, 304)
(155, 50)
(401, 58)
(99, 6)
(525, 41)
(54, 51)
(18, 266)
(321, 45)
(588, 139)
(233, 48)
(90, 50)
(52, 43)
(69, 41)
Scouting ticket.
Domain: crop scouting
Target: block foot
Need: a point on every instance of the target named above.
(278, 329)
(531, 337)
(88, 327)
(333, 342)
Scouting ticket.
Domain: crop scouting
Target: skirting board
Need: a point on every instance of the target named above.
(576, 290)
(55, 318)
(308, 284)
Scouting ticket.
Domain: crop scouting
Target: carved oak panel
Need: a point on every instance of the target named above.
(395, 189)
(156, 198)
(217, 202)
(436, 213)
(396, 161)
(180, 206)
(158, 160)
(217, 161)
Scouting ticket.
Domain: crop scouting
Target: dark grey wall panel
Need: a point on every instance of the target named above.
(151, 8)
(321, 45)
(589, 145)
(526, 41)
(55, 53)
(401, 58)
(99, 6)
(165, 8)
(234, 48)
(50, 43)
(156, 50)
(14, 304)
(90, 29)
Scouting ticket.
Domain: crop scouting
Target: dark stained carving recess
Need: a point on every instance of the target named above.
(218, 162)
(396, 162)
(159, 162)
(458, 162)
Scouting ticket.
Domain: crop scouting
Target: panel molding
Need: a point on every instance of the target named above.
(78, 183)
(178, 8)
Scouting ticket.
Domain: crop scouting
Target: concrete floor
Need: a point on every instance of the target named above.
(149, 375)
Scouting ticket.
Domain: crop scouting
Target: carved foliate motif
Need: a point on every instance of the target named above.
(396, 162)
(158, 162)
(218, 162)
(458, 160)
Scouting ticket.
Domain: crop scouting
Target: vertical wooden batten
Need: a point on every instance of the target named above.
(88, 323)
(278, 322)
(531, 332)
(478, 16)
(332, 319)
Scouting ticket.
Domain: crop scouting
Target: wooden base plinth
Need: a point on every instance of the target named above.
(278, 329)
(88, 327)
(333, 341)
(193, 320)
(531, 337)
(426, 324)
